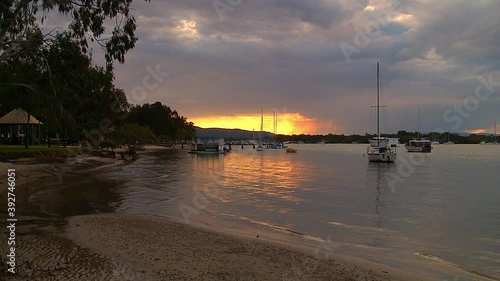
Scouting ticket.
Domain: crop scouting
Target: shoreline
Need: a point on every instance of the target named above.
(30, 169)
(151, 248)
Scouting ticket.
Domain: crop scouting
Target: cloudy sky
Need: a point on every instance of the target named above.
(314, 62)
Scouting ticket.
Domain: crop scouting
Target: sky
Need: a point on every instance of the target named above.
(314, 63)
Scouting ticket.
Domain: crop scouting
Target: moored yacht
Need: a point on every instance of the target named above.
(419, 145)
(379, 149)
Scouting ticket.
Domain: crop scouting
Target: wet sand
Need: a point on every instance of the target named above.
(149, 248)
(31, 169)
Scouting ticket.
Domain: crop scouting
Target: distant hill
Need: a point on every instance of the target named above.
(229, 133)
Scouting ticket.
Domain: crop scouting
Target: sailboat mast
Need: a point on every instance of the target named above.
(418, 124)
(495, 138)
(276, 122)
(261, 122)
(378, 104)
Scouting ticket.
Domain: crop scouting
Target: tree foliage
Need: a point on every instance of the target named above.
(21, 20)
(71, 97)
(52, 76)
(162, 120)
(132, 133)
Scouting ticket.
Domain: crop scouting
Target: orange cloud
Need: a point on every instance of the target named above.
(476, 131)
(288, 123)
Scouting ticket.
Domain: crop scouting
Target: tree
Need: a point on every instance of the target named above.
(24, 44)
(85, 91)
(162, 120)
(21, 35)
(131, 137)
(74, 97)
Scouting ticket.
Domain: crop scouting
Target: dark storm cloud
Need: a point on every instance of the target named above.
(281, 53)
(321, 13)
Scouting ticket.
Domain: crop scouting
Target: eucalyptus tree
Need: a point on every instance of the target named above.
(21, 22)
(162, 120)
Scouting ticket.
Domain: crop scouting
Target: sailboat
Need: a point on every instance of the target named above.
(379, 150)
(260, 147)
(419, 144)
(495, 141)
(449, 142)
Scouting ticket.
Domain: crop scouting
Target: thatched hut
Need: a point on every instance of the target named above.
(18, 126)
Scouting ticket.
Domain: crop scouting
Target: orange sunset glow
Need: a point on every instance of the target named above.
(476, 131)
(288, 123)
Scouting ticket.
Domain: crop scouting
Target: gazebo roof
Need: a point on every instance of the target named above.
(18, 117)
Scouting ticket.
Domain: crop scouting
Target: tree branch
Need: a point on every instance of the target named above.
(3, 33)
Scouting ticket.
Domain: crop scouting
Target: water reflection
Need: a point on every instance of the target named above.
(377, 169)
(76, 195)
(441, 208)
(250, 178)
(153, 183)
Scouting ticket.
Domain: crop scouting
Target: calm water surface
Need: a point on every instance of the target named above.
(436, 213)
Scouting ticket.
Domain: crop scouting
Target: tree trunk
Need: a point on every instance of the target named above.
(27, 132)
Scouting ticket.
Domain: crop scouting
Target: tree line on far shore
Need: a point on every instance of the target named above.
(403, 136)
(52, 75)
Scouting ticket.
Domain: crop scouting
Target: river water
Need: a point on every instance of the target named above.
(435, 214)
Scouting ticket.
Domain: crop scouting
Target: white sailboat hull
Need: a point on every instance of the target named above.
(381, 154)
(382, 157)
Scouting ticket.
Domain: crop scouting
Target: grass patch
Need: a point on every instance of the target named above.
(41, 152)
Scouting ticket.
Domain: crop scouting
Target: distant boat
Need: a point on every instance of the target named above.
(495, 135)
(449, 142)
(260, 147)
(379, 150)
(495, 141)
(209, 147)
(419, 144)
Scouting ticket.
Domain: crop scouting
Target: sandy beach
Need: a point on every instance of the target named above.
(149, 248)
